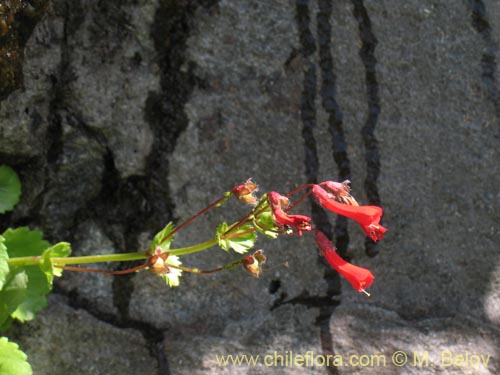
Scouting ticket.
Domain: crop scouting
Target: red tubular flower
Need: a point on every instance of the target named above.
(366, 216)
(359, 277)
(281, 218)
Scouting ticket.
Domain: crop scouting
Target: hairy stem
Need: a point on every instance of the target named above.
(217, 203)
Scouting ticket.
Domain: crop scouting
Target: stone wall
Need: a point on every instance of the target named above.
(134, 113)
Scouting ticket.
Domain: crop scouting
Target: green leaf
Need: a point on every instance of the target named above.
(265, 225)
(22, 242)
(12, 295)
(240, 240)
(13, 361)
(10, 188)
(4, 266)
(61, 249)
(158, 238)
(221, 229)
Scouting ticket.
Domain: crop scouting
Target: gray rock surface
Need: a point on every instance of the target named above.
(109, 93)
(434, 345)
(96, 289)
(136, 113)
(84, 344)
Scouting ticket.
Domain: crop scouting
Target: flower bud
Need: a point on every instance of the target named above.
(170, 271)
(158, 262)
(259, 256)
(253, 263)
(246, 192)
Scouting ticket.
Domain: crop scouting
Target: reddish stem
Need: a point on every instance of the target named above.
(256, 224)
(194, 217)
(195, 270)
(298, 201)
(228, 266)
(235, 235)
(299, 189)
(94, 270)
(245, 218)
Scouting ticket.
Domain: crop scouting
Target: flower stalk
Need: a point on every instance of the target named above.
(270, 215)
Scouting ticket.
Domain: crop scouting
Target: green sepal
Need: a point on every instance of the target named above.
(59, 250)
(13, 361)
(239, 243)
(10, 188)
(158, 238)
(265, 225)
(22, 242)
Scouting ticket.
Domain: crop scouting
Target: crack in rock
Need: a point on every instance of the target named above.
(372, 153)
(489, 69)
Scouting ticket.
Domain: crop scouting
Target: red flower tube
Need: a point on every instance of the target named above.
(301, 222)
(359, 277)
(366, 216)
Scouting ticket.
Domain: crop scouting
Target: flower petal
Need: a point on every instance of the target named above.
(340, 190)
(360, 278)
(366, 216)
(301, 222)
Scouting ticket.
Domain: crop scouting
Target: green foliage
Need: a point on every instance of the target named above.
(12, 360)
(160, 236)
(265, 224)
(12, 296)
(22, 242)
(240, 240)
(4, 266)
(28, 293)
(23, 289)
(10, 188)
(61, 249)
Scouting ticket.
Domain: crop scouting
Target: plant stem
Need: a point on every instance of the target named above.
(108, 272)
(36, 260)
(298, 189)
(254, 213)
(228, 266)
(298, 201)
(217, 203)
(125, 257)
(195, 248)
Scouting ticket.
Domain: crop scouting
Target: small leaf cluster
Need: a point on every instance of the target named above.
(240, 236)
(240, 240)
(23, 289)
